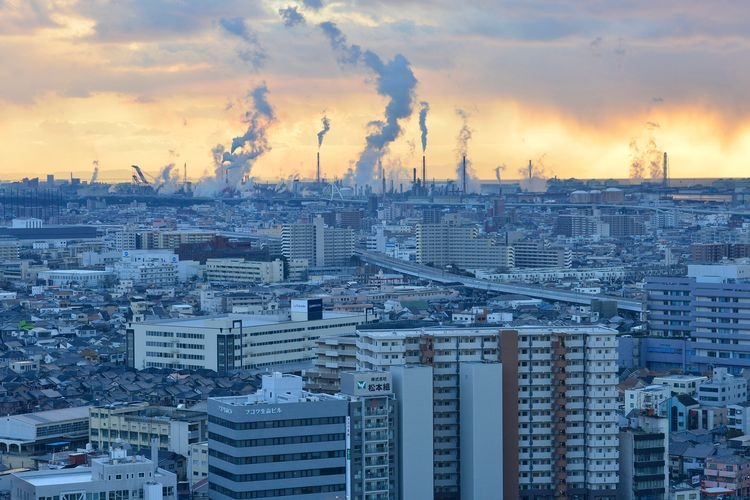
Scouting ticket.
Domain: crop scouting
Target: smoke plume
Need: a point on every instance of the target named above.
(291, 16)
(233, 165)
(168, 180)
(462, 150)
(424, 108)
(394, 80)
(326, 127)
(500, 168)
(95, 173)
(252, 52)
(646, 156)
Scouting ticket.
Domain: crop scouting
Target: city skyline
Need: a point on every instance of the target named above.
(154, 83)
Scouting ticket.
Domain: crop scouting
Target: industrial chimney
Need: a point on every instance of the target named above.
(665, 176)
(464, 176)
(317, 172)
(424, 174)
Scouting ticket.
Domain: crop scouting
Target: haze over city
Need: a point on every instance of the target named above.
(581, 90)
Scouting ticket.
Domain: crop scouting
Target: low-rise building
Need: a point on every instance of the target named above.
(731, 472)
(31, 432)
(722, 389)
(681, 384)
(645, 398)
(137, 424)
(244, 271)
(117, 476)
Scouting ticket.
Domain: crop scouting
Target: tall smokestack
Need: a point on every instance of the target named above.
(317, 171)
(414, 181)
(530, 169)
(464, 175)
(424, 173)
(665, 178)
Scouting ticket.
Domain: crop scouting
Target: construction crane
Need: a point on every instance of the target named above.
(138, 177)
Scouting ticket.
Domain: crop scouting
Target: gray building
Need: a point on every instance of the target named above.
(283, 442)
(117, 476)
(711, 308)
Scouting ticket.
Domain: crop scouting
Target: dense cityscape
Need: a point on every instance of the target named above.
(330, 249)
(585, 341)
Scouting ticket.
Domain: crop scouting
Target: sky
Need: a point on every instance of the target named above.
(583, 89)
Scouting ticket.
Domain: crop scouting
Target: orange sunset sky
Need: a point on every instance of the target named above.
(573, 83)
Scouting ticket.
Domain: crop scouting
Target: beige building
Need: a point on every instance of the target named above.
(320, 245)
(244, 271)
(444, 244)
(138, 423)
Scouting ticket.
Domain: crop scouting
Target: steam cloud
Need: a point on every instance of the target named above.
(534, 175)
(646, 156)
(395, 81)
(168, 179)
(291, 16)
(424, 107)
(95, 173)
(500, 168)
(326, 127)
(462, 149)
(231, 166)
(253, 53)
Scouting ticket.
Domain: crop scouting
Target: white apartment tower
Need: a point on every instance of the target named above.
(558, 399)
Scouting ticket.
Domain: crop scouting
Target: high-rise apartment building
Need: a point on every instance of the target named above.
(537, 254)
(559, 403)
(319, 244)
(444, 244)
(286, 442)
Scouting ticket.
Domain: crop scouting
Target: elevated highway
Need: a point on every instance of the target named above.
(430, 273)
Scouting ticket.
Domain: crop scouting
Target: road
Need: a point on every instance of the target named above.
(552, 294)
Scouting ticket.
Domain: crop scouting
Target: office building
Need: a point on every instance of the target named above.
(138, 424)
(234, 270)
(226, 342)
(85, 278)
(286, 442)
(710, 307)
(447, 244)
(559, 403)
(117, 476)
